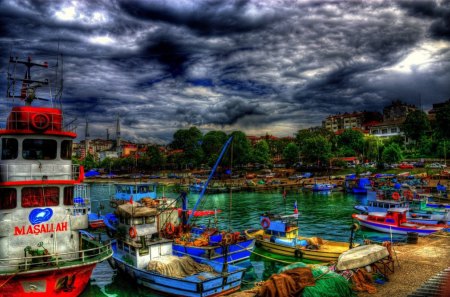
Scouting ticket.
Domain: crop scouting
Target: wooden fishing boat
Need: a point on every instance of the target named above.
(280, 236)
(148, 259)
(394, 221)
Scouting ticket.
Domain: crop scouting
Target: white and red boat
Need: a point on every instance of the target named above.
(394, 220)
(42, 251)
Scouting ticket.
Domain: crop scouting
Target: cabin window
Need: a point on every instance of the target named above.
(39, 197)
(8, 198)
(149, 220)
(10, 148)
(138, 221)
(133, 250)
(126, 248)
(143, 189)
(39, 149)
(66, 149)
(68, 196)
(120, 245)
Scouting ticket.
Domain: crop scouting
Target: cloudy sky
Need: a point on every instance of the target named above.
(272, 66)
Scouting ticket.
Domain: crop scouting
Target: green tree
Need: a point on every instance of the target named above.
(190, 141)
(443, 121)
(241, 149)
(351, 139)
(212, 144)
(416, 125)
(317, 148)
(392, 153)
(291, 153)
(155, 159)
(261, 153)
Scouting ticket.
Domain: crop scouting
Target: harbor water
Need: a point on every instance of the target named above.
(326, 215)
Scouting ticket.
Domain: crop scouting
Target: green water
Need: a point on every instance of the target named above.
(324, 215)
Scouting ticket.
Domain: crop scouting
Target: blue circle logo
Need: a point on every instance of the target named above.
(40, 215)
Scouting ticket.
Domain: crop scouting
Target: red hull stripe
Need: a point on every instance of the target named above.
(57, 282)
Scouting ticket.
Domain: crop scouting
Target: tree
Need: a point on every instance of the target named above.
(351, 139)
(291, 153)
(392, 153)
(212, 144)
(443, 120)
(190, 142)
(317, 148)
(416, 125)
(261, 153)
(155, 160)
(241, 148)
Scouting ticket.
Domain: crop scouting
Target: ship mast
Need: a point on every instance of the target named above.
(29, 86)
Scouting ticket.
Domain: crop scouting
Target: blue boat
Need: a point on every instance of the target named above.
(148, 259)
(132, 192)
(319, 187)
(358, 186)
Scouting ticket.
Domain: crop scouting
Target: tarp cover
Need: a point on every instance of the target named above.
(134, 210)
(177, 267)
(361, 256)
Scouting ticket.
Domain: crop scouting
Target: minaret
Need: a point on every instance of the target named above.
(118, 145)
(86, 139)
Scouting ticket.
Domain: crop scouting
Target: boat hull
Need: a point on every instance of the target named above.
(385, 228)
(323, 255)
(55, 282)
(236, 252)
(205, 284)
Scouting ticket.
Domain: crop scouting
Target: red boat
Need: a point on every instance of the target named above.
(43, 252)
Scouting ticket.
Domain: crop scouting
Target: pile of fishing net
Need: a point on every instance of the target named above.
(177, 266)
(327, 282)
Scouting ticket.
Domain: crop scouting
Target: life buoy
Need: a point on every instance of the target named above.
(227, 238)
(408, 194)
(132, 232)
(265, 223)
(395, 196)
(170, 228)
(40, 121)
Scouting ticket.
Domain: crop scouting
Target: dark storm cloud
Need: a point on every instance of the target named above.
(204, 17)
(257, 66)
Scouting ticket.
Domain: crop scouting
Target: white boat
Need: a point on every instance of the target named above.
(361, 256)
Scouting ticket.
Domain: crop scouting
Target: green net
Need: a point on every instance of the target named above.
(328, 283)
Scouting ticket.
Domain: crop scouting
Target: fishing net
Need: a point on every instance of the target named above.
(177, 267)
(328, 283)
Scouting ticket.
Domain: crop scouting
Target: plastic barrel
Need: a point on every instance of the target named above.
(412, 237)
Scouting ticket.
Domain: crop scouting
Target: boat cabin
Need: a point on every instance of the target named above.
(280, 225)
(139, 236)
(393, 217)
(135, 191)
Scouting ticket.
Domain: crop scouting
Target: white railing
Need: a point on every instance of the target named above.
(50, 261)
(37, 171)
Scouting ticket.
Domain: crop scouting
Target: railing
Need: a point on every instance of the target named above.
(38, 171)
(59, 260)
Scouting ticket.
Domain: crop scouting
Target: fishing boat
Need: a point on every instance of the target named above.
(321, 187)
(357, 186)
(145, 256)
(394, 221)
(43, 251)
(382, 201)
(134, 191)
(204, 241)
(279, 235)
